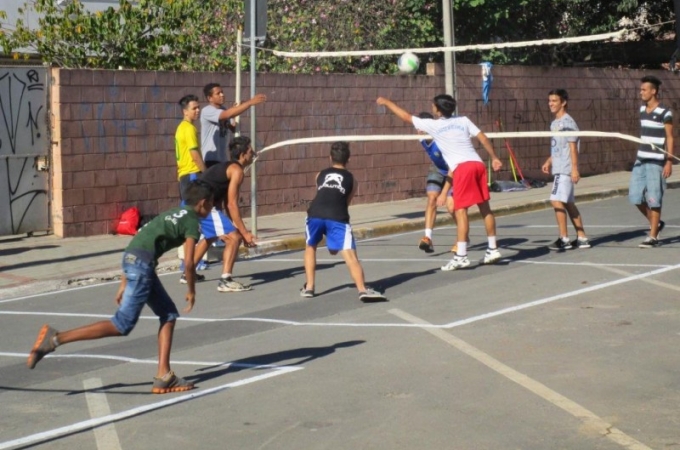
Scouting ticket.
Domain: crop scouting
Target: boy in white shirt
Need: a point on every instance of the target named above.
(453, 134)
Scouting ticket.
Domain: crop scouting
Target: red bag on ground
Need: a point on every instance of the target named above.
(129, 221)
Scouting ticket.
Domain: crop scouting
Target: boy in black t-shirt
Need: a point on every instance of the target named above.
(328, 215)
(140, 285)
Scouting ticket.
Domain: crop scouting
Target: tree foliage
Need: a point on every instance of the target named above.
(197, 35)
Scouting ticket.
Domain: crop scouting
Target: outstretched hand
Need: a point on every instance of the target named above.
(191, 299)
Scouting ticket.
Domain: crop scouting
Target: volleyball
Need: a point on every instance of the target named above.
(408, 63)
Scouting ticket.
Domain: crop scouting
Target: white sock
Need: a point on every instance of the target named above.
(226, 275)
(492, 242)
(55, 341)
(462, 249)
(428, 233)
(565, 239)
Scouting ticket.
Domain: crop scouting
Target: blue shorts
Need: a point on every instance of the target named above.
(216, 224)
(338, 234)
(184, 183)
(143, 288)
(647, 184)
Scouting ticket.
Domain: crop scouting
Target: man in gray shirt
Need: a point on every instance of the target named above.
(564, 161)
(216, 125)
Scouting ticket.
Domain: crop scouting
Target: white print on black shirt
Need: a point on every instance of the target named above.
(333, 181)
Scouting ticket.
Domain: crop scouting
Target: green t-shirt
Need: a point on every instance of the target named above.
(166, 231)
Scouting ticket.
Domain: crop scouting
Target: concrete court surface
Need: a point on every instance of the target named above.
(572, 350)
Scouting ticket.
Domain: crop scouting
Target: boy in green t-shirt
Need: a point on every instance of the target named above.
(140, 285)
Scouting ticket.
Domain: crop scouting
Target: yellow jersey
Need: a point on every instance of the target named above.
(186, 141)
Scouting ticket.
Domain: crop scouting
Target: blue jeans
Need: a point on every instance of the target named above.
(647, 184)
(143, 287)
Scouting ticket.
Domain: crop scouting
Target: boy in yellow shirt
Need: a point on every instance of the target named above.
(187, 151)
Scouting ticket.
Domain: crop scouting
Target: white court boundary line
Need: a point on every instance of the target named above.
(453, 324)
(584, 415)
(96, 422)
(127, 359)
(105, 436)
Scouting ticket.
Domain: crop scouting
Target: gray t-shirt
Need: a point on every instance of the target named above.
(214, 135)
(559, 145)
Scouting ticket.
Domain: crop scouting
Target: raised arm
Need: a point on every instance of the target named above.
(399, 112)
(237, 110)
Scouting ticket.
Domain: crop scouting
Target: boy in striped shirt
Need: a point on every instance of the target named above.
(654, 163)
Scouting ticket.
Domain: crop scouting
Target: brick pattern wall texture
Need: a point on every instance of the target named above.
(113, 132)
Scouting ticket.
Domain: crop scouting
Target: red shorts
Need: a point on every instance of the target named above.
(470, 185)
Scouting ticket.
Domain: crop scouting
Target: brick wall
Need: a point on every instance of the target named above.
(113, 132)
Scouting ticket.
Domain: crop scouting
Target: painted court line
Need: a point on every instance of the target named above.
(105, 435)
(212, 364)
(587, 417)
(453, 324)
(111, 418)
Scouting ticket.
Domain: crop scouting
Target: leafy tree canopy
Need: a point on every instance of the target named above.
(197, 35)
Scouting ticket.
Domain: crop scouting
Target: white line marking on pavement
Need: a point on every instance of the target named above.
(672, 287)
(543, 301)
(454, 324)
(91, 423)
(558, 263)
(213, 364)
(106, 435)
(579, 412)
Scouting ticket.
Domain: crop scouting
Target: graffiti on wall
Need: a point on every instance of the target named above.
(24, 144)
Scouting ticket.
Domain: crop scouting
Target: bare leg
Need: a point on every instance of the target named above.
(310, 266)
(232, 241)
(165, 333)
(560, 217)
(463, 224)
(97, 330)
(489, 219)
(202, 248)
(355, 269)
(431, 209)
(654, 218)
(576, 219)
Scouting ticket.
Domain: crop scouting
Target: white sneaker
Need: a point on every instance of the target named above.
(230, 285)
(458, 262)
(491, 256)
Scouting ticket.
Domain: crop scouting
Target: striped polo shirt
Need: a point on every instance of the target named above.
(652, 130)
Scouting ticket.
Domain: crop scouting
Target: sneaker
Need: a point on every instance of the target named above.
(198, 277)
(371, 295)
(44, 344)
(458, 262)
(426, 245)
(580, 243)
(231, 285)
(170, 383)
(560, 244)
(649, 242)
(306, 293)
(662, 225)
(491, 256)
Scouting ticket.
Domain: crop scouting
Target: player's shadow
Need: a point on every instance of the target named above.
(284, 274)
(520, 249)
(384, 284)
(630, 235)
(294, 357)
(17, 250)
